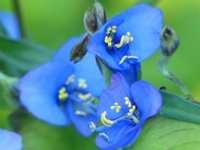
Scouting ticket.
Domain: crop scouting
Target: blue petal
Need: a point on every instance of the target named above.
(81, 122)
(145, 24)
(87, 69)
(10, 23)
(120, 135)
(65, 51)
(38, 91)
(10, 140)
(132, 73)
(147, 99)
(116, 92)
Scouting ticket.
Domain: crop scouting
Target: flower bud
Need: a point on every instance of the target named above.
(90, 21)
(94, 18)
(79, 50)
(169, 41)
(100, 14)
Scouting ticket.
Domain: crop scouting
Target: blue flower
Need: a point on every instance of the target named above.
(123, 110)
(10, 24)
(130, 36)
(10, 140)
(61, 92)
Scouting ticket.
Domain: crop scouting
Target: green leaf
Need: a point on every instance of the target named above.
(7, 101)
(17, 57)
(2, 29)
(172, 134)
(153, 2)
(38, 135)
(180, 108)
(166, 134)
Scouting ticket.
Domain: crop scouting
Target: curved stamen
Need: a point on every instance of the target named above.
(125, 39)
(105, 136)
(105, 121)
(127, 57)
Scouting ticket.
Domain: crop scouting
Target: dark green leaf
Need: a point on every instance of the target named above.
(2, 29)
(17, 57)
(7, 102)
(180, 108)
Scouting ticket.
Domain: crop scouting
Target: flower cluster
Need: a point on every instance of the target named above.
(62, 92)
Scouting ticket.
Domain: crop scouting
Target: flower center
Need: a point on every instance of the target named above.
(110, 38)
(73, 86)
(75, 89)
(130, 115)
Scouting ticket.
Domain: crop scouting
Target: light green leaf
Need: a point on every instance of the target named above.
(17, 57)
(166, 134)
(38, 135)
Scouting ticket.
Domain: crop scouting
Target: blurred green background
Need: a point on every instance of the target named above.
(52, 22)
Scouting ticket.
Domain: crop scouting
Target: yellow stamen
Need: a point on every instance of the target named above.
(63, 95)
(84, 96)
(116, 107)
(105, 121)
(128, 102)
(82, 83)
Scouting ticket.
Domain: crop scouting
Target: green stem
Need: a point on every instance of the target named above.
(162, 64)
(18, 12)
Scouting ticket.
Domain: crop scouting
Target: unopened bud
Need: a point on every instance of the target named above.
(79, 50)
(90, 21)
(100, 14)
(169, 41)
(94, 18)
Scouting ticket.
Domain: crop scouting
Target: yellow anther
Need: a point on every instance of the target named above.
(105, 121)
(109, 36)
(71, 79)
(82, 83)
(84, 96)
(62, 90)
(108, 41)
(128, 102)
(131, 110)
(111, 30)
(116, 107)
(63, 96)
